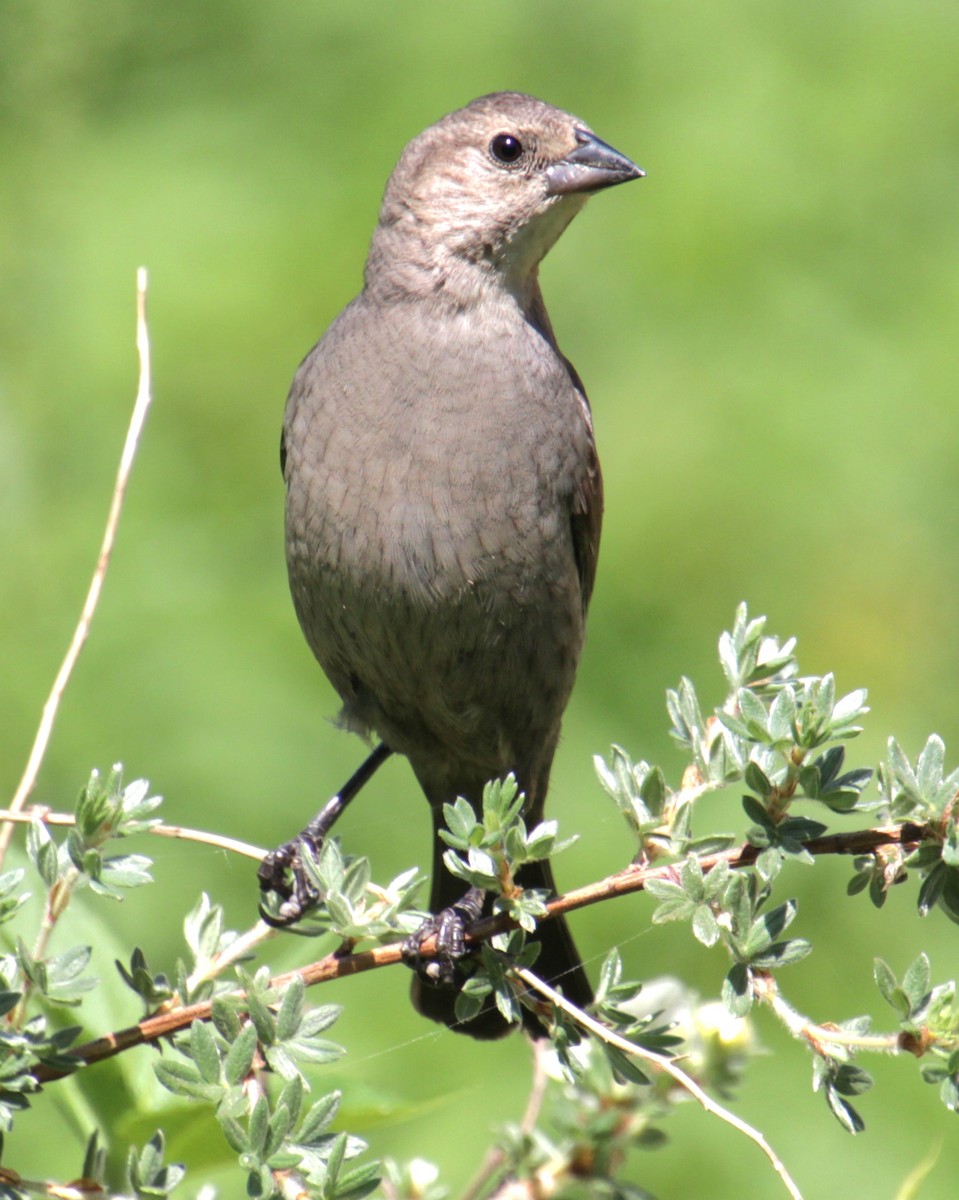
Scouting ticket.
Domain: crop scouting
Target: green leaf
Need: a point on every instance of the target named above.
(202, 928)
(126, 870)
(62, 983)
(851, 1080)
(716, 881)
(653, 790)
(754, 715)
(290, 1013)
(738, 902)
(843, 1111)
(782, 716)
(234, 1132)
(183, 1079)
(736, 990)
(664, 889)
(915, 982)
(757, 779)
(610, 973)
(204, 1052)
(259, 1126)
(889, 988)
(929, 766)
(949, 893)
(705, 926)
(261, 1017)
(336, 1156)
(319, 1019)
(94, 1159)
(626, 1069)
(931, 888)
(672, 910)
(42, 852)
(147, 1174)
(782, 954)
(771, 924)
(313, 1050)
(239, 1058)
(756, 811)
(358, 1182)
(950, 845)
(291, 1098)
(225, 1019)
(460, 821)
(691, 878)
(66, 967)
(769, 863)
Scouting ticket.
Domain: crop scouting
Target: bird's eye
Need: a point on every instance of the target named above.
(506, 148)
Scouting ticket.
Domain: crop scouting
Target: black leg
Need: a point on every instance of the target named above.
(282, 870)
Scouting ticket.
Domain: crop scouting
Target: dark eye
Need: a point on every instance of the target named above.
(506, 148)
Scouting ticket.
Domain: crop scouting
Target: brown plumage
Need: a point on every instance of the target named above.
(444, 497)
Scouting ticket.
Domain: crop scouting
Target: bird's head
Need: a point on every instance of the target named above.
(481, 196)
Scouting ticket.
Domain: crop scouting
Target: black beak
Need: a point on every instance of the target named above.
(590, 166)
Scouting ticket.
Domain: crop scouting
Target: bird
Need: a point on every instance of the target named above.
(443, 491)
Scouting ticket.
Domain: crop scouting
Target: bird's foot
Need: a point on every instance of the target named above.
(449, 927)
(282, 872)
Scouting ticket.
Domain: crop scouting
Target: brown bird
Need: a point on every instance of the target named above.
(443, 494)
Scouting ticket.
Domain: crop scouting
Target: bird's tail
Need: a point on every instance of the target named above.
(558, 963)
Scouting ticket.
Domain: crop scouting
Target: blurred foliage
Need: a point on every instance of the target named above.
(767, 328)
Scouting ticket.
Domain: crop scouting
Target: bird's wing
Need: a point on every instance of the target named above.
(586, 516)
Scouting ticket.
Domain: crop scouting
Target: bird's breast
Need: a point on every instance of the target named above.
(432, 459)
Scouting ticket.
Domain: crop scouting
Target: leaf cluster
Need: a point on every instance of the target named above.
(273, 1138)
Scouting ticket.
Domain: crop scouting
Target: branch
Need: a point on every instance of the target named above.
(342, 963)
(635, 878)
(661, 1063)
(37, 812)
(140, 408)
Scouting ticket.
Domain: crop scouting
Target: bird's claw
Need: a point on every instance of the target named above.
(282, 873)
(449, 928)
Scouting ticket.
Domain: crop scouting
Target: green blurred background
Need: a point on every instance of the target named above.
(768, 328)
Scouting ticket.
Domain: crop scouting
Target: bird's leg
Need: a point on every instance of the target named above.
(449, 926)
(282, 871)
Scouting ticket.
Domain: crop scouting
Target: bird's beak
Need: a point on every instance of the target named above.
(590, 166)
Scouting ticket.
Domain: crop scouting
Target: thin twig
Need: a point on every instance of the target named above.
(140, 408)
(237, 949)
(495, 1157)
(821, 1038)
(219, 841)
(537, 1091)
(661, 1062)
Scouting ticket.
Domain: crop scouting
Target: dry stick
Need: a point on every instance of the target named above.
(137, 419)
(36, 812)
(661, 1062)
(335, 966)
